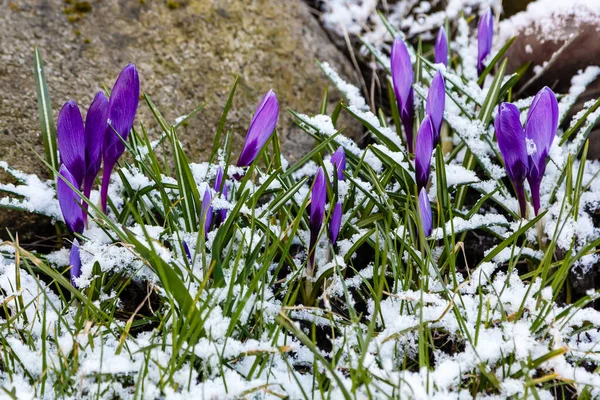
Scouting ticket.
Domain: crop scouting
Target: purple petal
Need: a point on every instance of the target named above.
(219, 179)
(402, 80)
(95, 129)
(485, 34)
(207, 210)
(122, 108)
(440, 52)
(262, 126)
(336, 223)
(220, 186)
(511, 141)
(338, 159)
(75, 261)
(436, 102)
(542, 122)
(317, 204)
(69, 201)
(71, 140)
(423, 150)
(186, 250)
(425, 213)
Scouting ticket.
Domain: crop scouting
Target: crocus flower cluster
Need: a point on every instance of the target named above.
(260, 130)
(83, 146)
(485, 34)
(207, 213)
(525, 151)
(440, 50)
(402, 80)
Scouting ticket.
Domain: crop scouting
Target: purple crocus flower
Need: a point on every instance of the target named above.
(485, 34)
(423, 150)
(338, 159)
(221, 186)
(425, 213)
(75, 261)
(207, 211)
(511, 141)
(336, 223)
(69, 201)
(317, 210)
(71, 141)
(122, 108)
(436, 103)
(540, 129)
(440, 51)
(261, 127)
(402, 80)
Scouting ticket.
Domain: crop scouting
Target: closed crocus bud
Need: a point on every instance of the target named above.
(402, 80)
(69, 201)
(186, 250)
(485, 34)
(71, 141)
(440, 51)
(436, 102)
(122, 108)
(221, 186)
(511, 141)
(423, 150)
(425, 213)
(317, 211)
(261, 127)
(336, 223)
(540, 129)
(207, 211)
(338, 159)
(75, 261)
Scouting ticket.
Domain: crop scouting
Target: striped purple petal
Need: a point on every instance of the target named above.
(540, 129)
(207, 211)
(436, 103)
(423, 150)
(485, 34)
(75, 261)
(336, 223)
(262, 126)
(425, 213)
(440, 50)
(71, 140)
(338, 159)
(69, 201)
(402, 80)
(95, 130)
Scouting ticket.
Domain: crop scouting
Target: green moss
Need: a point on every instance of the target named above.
(82, 6)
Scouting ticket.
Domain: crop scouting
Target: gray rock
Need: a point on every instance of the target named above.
(187, 52)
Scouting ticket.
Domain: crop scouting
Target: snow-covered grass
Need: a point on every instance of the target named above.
(389, 313)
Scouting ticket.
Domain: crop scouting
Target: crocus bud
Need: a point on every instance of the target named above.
(317, 210)
(423, 150)
(207, 211)
(221, 186)
(540, 129)
(186, 250)
(336, 223)
(71, 141)
(96, 123)
(261, 127)
(511, 141)
(69, 201)
(440, 51)
(436, 102)
(402, 80)
(425, 213)
(338, 159)
(122, 108)
(485, 34)
(75, 261)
